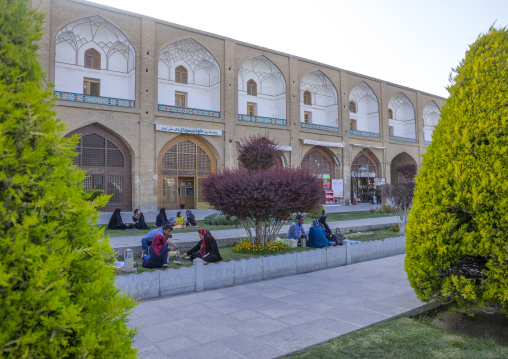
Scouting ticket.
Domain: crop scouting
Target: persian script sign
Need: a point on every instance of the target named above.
(191, 131)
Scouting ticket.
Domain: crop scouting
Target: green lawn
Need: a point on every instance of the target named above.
(404, 338)
(228, 253)
(332, 217)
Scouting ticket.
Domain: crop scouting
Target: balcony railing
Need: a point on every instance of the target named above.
(425, 142)
(95, 100)
(259, 119)
(365, 134)
(403, 139)
(188, 111)
(313, 126)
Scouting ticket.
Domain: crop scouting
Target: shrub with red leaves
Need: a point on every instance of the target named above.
(257, 153)
(263, 200)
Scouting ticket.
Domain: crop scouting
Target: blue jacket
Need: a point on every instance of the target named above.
(294, 230)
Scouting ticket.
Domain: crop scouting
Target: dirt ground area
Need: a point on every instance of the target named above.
(478, 324)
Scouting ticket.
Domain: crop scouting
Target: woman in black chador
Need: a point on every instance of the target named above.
(161, 218)
(138, 220)
(205, 249)
(115, 221)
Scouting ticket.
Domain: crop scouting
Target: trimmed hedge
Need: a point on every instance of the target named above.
(457, 234)
(58, 296)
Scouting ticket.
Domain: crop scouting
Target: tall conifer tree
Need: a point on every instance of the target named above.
(57, 294)
(457, 234)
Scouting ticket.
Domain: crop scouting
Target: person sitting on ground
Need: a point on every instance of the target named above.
(191, 219)
(148, 238)
(138, 220)
(158, 255)
(297, 227)
(328, 232)
(115, 222)
(317, 237)
(205, 249)
(161, 218)
(179, 221)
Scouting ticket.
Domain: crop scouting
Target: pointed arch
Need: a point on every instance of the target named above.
(403, 124)
(399, 159)
(431, 115)
(366, 114)
(364, 169)
(322, 109)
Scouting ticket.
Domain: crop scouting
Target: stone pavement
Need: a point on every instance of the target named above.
(188, 239)
(272, 318)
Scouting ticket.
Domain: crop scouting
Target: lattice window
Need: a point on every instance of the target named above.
(93, 182)
(390, 114)
(169, 160)
(181, 75)
(180, 99)
(186, 159)
(317, 162)
(352, 107)
(201, 193)
(115, 185)
(204, 163)
(92, 59)
(186, 155)
(93, 157)
(93, 140)
(307, 98)
(169, 189)
(252, 88)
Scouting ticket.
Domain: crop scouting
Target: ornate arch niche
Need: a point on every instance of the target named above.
(400, 159)
(431, 115)
(403, 124)
(108, 163)
(182, 163)
(365, 168)
(270, 99)
(202, 81)
(319, 161)
(366, 116)
(322, 109)
(116, 73)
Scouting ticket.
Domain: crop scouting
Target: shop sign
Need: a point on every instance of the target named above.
(187, 130)
(363, 174)
(379, 182)
(323, 144)
(326, 176)
(364, 168)
(338, 187)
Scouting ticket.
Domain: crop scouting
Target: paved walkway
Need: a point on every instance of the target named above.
(274, 317)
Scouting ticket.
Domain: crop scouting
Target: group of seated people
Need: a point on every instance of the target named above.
(138, 220)
(176, 222)
(156, 256)
(320, 234)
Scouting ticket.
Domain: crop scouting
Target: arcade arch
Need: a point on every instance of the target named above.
(365, 169)
(112, 66)
(318, 100)
(108, 163)
(319, 161)
(364, 114)
(431, 114)
(183, 162)
(269, 97)
(400, 159)
(403, 122)
(188, 71)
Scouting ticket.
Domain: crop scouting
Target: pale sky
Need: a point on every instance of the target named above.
(413, 43)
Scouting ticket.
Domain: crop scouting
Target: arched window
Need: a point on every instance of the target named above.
(390, 114)
(352, 107)
(92, 59)
(307, 98)
(252, 88)
(181, 75)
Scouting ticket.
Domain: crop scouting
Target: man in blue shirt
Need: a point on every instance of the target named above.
(297, 227)
(165, 230)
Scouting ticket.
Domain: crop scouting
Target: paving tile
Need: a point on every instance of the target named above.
(305, 316)
(153, 354)
(142, 344)
(244, 314)
(357, 315)
(208, 351)
(259, 326)
(297, 337)
(226, 305)
(278, 293)
(189, 311)
(336, 326)
(278, 310)
(175, 343)
(251, 347)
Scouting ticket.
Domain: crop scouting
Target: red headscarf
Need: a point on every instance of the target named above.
(158, 242)
(206, 233)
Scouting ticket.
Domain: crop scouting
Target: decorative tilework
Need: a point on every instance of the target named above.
(365, 134)
(188, 111)
(403, 139)
(313, 126)
(427, 142)
(67, 96)
(271, 121)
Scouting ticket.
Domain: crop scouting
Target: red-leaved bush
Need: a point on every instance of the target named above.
(263, 200)
(257, 153)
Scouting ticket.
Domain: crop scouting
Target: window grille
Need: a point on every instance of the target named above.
(252, 88)
(115, 186)
(307, 98)
(92, 59)
(181, 75)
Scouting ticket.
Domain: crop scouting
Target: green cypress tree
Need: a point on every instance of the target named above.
(457, 234)
(57, 293)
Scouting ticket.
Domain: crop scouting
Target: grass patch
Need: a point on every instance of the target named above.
(373, 235)
(405, 338)
(332, 217)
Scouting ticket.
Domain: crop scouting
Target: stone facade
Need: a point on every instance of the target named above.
(135, 127)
